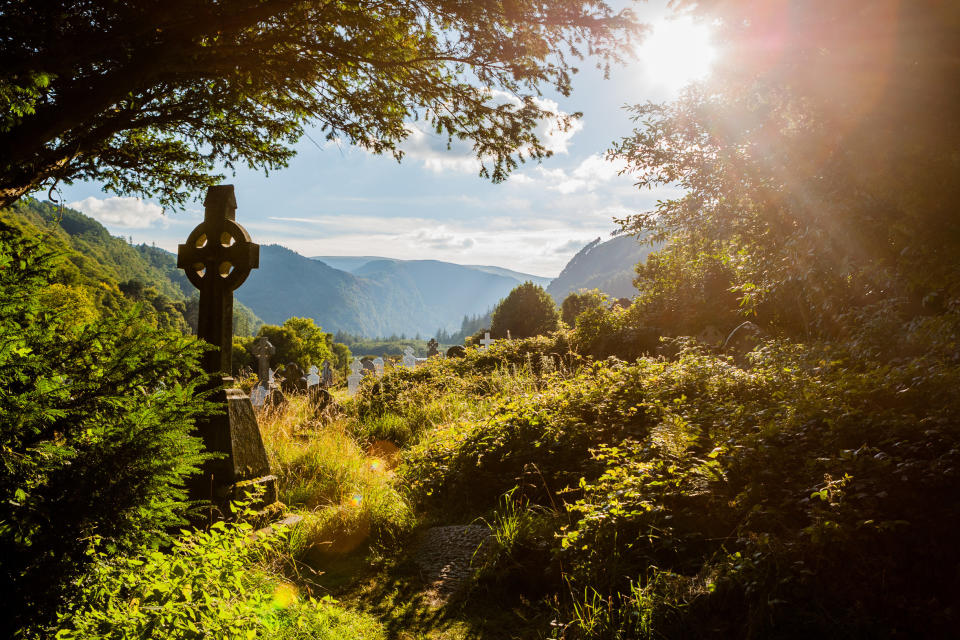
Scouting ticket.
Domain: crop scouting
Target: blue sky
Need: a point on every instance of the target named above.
(339, 200)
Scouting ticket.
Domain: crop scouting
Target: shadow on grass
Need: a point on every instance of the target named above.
(399, 597)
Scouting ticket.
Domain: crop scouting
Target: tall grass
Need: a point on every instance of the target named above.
(345, 493)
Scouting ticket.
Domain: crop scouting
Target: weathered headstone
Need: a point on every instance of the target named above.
(313, 376)
(433, 348)
(378, 366)
(326, 378)
(368, 368)
(293, 380)
(217, 257)
(486, 341)
(456, 351)
(353, 380)
(258, 395)
(409, 360)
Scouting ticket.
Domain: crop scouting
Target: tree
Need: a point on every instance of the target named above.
(576, 303)
(154, 97)
(298, 340)
(96, 423)
(527, 311)
(818, 163)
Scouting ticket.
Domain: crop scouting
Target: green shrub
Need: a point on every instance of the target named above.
(576, 303)
(96, 434)
(601, 332)
(809, 495)
(205, 586)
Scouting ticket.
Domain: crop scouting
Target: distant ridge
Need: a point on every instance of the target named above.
(354, 263)
(376, 296)
(608, 266)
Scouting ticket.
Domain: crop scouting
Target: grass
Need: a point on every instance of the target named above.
(338, 473)
(344, 491)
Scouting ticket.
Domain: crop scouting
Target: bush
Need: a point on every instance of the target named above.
(576, 303)
(203, 587)
(96, 434)
(601, 333)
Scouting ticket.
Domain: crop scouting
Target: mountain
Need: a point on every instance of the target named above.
(543, 281)
(354, 263)
(380, 298)
(607, 266)
(112, 272)
(347, 263)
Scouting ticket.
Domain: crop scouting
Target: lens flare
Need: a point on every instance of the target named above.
(356, 500)
(284, 595)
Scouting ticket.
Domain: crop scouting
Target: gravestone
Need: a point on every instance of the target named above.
(353, 380)
(258, 395)
(378, 366)
(293, 380)
(486, 341)
(313, 376)
(262, 350)
(433, 348)
(326, 378)
(368, 368)
(456, 351)
(217, 257)
(409, 360)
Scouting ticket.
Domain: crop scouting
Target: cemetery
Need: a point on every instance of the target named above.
(737, 417)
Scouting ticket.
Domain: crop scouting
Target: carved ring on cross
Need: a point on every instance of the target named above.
(231, 257)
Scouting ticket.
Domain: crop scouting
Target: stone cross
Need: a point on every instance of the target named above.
(378, 366)
(409, 360)
(327, 378)
(433, 348)
(217, 257)
(486, 342)
(313, 377)
(262, 350)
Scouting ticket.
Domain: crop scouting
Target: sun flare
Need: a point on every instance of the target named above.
(677, 51)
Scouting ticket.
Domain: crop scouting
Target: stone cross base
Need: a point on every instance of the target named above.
(244, 467)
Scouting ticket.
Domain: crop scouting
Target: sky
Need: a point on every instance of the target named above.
(340, 200)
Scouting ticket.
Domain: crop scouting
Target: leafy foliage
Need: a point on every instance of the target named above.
(96, 431)
(298, 340)
(527, 311)
(576, 303)
(171, 100)
(807, 162)
(202, 587)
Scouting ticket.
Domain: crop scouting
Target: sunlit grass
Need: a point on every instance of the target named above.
(345, 495)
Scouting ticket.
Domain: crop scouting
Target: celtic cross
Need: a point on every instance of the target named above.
(262, 350)
(217, 258)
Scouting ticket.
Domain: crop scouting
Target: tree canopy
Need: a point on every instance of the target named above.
(818, 164)
(527, 311)
(156, 97)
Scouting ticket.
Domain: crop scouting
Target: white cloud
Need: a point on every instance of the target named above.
(592, 172)
(441, 239)
(127, 213)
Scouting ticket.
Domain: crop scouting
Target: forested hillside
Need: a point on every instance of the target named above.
(381, 297)
(103, 271)
(608, 266)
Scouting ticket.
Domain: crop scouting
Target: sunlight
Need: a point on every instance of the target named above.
(677, 51)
